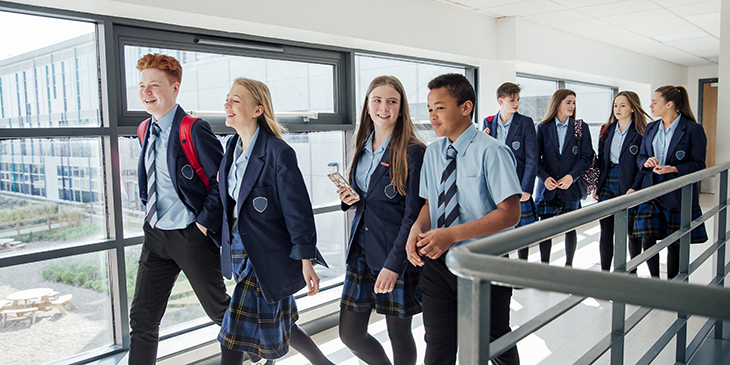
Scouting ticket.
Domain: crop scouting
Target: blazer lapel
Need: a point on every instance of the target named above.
(630, 136)
(253, 170)
(493, 126)
(568, 135)
(174, 141)
(226, 164)
(607, 147)
(380, 170)
(649, 134)
(553, 131)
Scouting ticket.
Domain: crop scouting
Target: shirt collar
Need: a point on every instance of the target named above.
(672, 126)
(241, 154)
(618, 130)
(509, 122)
(369, 143)
(166, 121)
(561, 125)
(463, 142)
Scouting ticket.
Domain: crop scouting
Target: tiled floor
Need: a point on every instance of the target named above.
(562, 341)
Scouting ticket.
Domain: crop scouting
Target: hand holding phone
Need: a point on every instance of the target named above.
(341, 183)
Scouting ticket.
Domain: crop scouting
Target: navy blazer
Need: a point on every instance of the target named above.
(386, 215)
(277, 237)
(629, 174)
(522, 141)
(205, 205)
(686, 152)
(573, 162)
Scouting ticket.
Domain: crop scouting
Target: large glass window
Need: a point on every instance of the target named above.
(48, 78)
(413, 75)
(207, 78)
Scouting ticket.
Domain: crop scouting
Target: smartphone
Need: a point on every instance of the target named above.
(340, 182)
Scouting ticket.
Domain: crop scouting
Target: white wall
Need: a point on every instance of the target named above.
(723, 110)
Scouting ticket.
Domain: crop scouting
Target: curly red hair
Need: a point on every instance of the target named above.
(169, 65)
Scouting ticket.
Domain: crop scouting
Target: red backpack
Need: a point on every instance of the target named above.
(186, 127)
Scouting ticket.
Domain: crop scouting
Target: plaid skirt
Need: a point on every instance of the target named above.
(529, 212)
(252, 325)
(653, 220)
(358, 292)
(610, 190)
(555, 207)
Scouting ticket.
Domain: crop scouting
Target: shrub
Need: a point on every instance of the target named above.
(68, 277)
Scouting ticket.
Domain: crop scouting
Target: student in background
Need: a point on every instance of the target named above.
(268, 234)
(517, 131)
(673, 146)
(562, 158)
(618, 148)
(385, 171)
(471, 189)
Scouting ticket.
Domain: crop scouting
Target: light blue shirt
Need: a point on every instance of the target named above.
(617, 142)
(503, 129)
(369, 160)
(485, 175)
(562, 131)
(662, 139)
(238, 168)
(172, 213)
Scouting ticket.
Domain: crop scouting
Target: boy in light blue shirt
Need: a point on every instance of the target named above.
(472, 191)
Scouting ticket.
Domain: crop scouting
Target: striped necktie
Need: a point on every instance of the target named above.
(448, 202)
(151, 176)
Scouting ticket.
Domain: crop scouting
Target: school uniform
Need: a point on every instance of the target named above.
(380, 228)
(521, 138)
(617, 154)
(683, 145)
(559, 154)
(175, 243)
(485, 177)
(267, 230)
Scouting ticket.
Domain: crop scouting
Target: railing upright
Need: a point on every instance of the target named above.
(618, 315)
(721, 229)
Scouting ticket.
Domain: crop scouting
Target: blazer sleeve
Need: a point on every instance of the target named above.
(210, 154)
(645, 151)
(396, 260)
(698, 150)
(541, 172)
(295, 206)
(586, 154)
(528, 178)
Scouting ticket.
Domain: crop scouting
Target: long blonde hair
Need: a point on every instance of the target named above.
(261, 94)
(639, 116)
(555, 101)
(404, 134)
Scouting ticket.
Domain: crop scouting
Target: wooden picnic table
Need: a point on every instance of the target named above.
(31, 297)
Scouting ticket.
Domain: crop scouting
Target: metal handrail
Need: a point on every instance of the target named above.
(479, 263)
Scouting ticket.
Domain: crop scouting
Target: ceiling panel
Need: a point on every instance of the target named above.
(685, 32)
(526, 8)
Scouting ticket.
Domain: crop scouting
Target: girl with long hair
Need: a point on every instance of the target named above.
(562, 158)
(268, 234)
(618, 148)
(385, 172)
(674, 145)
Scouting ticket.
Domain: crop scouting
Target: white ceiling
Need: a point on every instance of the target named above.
(685, 32)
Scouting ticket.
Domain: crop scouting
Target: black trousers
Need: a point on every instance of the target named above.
(438, 286)
(164, 254)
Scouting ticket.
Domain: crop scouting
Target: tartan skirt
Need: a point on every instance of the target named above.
(610, 190)
(529, 212)
(555, 207)
(653, 220)
(358, 292)
(252, 325)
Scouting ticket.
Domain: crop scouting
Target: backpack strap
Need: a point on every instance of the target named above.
(578, 131)
(142, 131)
(186, 141)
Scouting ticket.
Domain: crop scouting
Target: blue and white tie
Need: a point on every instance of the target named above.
(448, 202)
(151, 176)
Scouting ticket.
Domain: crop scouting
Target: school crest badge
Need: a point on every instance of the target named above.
(634, 149)
(680, 154)
(516, 145)
(188, 172)
(260, 203)
(390, 191)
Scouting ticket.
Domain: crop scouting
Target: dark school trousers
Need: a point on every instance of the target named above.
(164, 254)
(438, 286)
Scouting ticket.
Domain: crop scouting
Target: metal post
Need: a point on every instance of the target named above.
(686, 218)
(618, 315)
(473, 321)
(721, 229)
